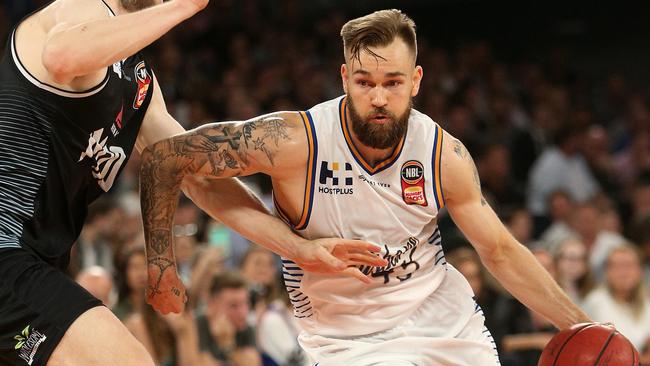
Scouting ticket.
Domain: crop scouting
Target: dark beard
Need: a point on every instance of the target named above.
(379, 136)
(135, 5)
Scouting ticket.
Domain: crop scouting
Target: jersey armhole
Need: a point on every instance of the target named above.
(436, 158)
(308, 198)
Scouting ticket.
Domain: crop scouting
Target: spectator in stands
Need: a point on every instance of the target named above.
(622, 299)
(519, 223)
(493, 165)
(131, 282)
(560, 209)
(94, 246)
(277, 334)
(208, 261)
(260, 270)
(640, 234)
(573, 271)
(171, 340)
(560, 167)
(587, 224)
(527, 332)
(99, 282)
(223, 328)
(491, 301)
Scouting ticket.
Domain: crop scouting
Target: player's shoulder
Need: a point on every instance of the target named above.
(456, 162)
(290, 119)
(453, 148)
(423, 125)
(290, 124)
(332, 103)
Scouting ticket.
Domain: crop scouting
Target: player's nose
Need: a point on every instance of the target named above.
(379, 97)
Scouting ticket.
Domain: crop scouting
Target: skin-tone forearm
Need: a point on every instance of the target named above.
(167, 162)
(515, 267)
(268, 144)
(238, 208)
(120, 36)
(512, 264)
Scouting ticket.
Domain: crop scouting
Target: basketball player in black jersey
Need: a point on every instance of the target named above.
(75, 98)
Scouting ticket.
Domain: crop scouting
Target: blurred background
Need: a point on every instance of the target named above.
(551, 98)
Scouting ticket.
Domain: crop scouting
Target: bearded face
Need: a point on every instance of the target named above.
(135, 5)
(380, 128)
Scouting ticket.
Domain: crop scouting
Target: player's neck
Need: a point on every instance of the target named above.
(371, 155)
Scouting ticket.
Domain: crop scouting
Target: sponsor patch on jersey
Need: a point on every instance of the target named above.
(144, 80)
(412, 177)
(28, 342)
(335, 178)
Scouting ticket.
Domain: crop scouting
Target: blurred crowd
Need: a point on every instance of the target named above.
(564, 160)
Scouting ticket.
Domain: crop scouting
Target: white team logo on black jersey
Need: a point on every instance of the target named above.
(108, 159)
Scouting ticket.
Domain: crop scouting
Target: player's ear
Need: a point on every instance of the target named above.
(344, 77)
(417, 78)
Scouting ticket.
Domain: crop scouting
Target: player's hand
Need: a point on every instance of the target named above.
(165, 290)
(193, 5)
(338, 256)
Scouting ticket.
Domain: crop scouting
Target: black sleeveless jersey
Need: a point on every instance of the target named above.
(59, 150)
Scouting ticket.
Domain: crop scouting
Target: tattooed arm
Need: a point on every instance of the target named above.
(276, 145)
(509, 261)
(215, 150)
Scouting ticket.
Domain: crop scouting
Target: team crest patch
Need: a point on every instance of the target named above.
(144, 80)
(412, 177)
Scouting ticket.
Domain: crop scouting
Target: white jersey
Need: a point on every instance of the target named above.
(393, 204)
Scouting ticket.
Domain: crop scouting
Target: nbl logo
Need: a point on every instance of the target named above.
(335, 174)
(413, 192)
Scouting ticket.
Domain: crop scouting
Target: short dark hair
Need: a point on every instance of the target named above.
(226, 280)
(377, 29)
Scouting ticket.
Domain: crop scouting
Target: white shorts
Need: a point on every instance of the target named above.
(448, 329)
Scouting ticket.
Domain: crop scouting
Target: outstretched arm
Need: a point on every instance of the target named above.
(215, 150)
(120, 36)
(226, 199)
(509, 261)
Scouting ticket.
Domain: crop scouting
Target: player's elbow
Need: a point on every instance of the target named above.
(496, 252)
(58, 63)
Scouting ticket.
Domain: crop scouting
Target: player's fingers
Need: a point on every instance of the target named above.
(366, 259)
(354, 272)
(327, 259)
(359, 245)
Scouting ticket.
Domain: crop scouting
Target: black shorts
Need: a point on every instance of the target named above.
(38, 303)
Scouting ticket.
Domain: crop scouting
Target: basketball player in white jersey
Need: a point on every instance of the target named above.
(366, 165)
(76, 97)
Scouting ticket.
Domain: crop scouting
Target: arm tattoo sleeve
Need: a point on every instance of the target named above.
(220, 150)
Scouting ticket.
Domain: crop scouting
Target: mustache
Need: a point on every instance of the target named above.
(381, 111)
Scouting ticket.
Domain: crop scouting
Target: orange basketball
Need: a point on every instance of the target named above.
(589, 344)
